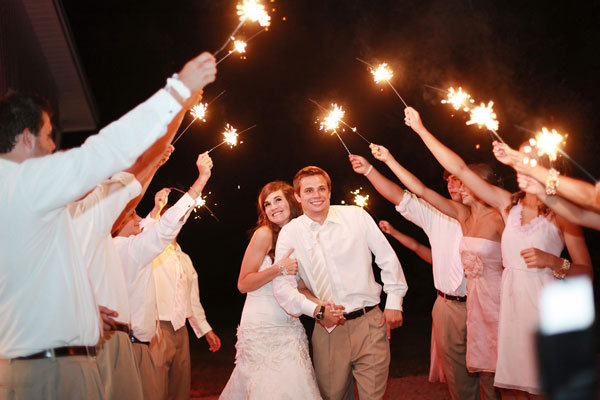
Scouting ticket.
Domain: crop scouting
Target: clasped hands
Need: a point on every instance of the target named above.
(333, 315)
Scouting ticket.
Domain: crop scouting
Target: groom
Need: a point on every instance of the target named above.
(333, 246)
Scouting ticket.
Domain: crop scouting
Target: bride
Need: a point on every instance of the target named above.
(272, 360)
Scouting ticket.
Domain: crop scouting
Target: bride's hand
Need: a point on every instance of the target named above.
(290, 265)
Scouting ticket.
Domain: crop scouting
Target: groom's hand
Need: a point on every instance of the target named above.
(333, 315)
(392, 320)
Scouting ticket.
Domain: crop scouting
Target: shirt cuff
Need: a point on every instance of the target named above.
(128, 180)
(165, 106)
(200, 329)
(401, 207)
(308, 307)
(394, 302)
(174, 214)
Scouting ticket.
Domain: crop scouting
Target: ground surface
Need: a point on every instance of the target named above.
(408, 370)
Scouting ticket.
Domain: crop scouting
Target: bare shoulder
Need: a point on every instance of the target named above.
(263, 234)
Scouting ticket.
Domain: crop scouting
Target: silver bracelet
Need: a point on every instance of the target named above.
(369, 170)
(562, 272)
(282, 269)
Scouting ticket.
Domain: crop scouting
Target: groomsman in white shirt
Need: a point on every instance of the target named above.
(449, 314)
(333, 246)
(50, 321)
(137, 249)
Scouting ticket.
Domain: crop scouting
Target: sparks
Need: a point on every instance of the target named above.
(199, 111)
(548, 142)
(200, 201)
(332, 121)
(239, 46)
(483, 115)
(254, 11)
(360, 200)
(458, 99)
(382, 73)
(231, 136)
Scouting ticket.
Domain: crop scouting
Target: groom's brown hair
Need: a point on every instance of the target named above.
(310, 171)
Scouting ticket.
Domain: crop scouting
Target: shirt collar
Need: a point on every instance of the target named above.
(332, 216)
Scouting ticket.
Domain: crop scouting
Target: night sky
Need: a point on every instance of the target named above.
(537, 60)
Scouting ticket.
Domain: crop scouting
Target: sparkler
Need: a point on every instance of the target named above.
(248, 10)
(550, 145)
(458, 99)
(332, 121)
(359, 199)
(352, 128)
(198, 112)
(200, 202)
(239, 46)
(383, 73)
(483, 115)
(230, 135)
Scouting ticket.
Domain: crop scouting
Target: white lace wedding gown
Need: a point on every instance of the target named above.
(272, 360)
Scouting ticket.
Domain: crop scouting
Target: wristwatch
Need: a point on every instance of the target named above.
(320, 314)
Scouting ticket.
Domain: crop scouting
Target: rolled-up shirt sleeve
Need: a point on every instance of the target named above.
(285, 288)
(417, 211)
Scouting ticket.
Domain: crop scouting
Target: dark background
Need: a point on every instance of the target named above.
(538, 61)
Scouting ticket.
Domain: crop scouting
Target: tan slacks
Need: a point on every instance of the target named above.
(60, 378)
(119, 372)
(358, 350)
(450, 333)
(172, 356)
(152, 388)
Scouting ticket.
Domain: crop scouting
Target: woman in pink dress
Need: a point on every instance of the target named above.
(482, 228)
(531, 246)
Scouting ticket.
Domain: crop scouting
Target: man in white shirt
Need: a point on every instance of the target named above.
(449, 314)
(136, 250)
(178, 299)
(333, 246)
(50, 318)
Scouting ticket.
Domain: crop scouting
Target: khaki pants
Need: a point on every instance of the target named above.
(118, 370)
(60, 378)
(172, 355)
(450, 334)
(152, 388)
(358, 349)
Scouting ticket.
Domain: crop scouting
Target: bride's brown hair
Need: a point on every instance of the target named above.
(263, 219)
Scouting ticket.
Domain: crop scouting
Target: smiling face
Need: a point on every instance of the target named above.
(277, 208)
(314, 196)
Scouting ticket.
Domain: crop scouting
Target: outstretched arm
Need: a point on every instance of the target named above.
(490, 194)
(574, 190)
(410, 243)
(561, 206)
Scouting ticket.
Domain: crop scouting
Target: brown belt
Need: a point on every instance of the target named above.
(358, 313)
(62, 352)
(450, 297)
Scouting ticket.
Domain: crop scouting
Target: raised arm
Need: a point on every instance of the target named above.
(58, 179)
(250, 278)
(410, 243)
(388, 189)
(574, 190)
(561, 206)
(490, 194)
(449, 207)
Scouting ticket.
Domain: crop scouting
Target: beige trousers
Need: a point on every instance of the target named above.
(358, 350)
(450, 334)
(117, 366)
(172, 356)
(152, 388)
(60, 378)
